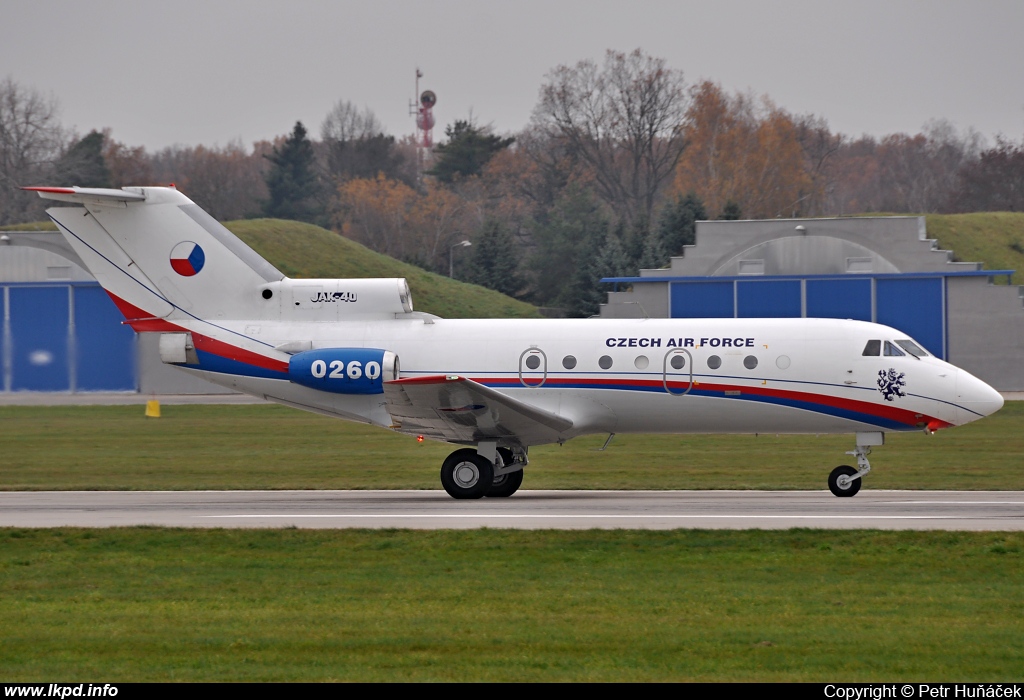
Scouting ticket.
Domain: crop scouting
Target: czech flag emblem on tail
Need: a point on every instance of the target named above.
(187, 258)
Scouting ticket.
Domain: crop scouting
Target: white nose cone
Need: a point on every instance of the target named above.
(974, 398)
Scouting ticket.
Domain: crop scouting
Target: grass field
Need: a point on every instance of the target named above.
(151, 604)
(274, 447)
(155, 604)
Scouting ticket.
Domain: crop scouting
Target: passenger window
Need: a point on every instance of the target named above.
(641, 362)
(873, 348)
(750, 362)
(714, 362)
(892, 351)
(568, 362)
(605, 362)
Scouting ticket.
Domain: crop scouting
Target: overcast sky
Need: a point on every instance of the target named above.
(210, 71)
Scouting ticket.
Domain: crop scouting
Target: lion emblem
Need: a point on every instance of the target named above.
(890, 383)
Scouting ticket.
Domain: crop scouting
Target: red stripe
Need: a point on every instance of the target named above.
(54, 190)
(139, 320)
(143, 322)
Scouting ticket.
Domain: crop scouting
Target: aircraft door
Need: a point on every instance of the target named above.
(678, 368)
(533, 367)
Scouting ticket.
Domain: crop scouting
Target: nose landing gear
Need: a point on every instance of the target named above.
(845, 481)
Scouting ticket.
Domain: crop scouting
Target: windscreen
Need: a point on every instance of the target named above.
(912, 347)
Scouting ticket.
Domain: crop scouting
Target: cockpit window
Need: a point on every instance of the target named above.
(873, 348)
(892, 351)
(912, 347)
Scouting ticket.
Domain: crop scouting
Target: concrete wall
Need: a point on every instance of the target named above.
(895, 244)
(986, 331)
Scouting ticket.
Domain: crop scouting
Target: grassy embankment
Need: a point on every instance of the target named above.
(993, 238)
(304, 250)
(274, 447)
(148, 604)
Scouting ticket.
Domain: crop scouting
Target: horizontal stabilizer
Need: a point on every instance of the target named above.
(84, 195)
(457, 409)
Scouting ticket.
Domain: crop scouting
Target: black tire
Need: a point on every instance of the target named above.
(506, 485)
(465, 474)
(852, 487)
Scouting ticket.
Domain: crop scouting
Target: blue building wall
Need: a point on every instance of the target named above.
(64, 336)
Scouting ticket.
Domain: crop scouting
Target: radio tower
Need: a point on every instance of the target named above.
(424, 122)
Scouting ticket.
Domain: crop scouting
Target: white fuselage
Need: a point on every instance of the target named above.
(773, 375)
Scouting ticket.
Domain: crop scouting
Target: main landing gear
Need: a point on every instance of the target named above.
(845, 481)
(496, 472)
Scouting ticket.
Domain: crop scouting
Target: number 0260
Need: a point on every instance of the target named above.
(354, 370)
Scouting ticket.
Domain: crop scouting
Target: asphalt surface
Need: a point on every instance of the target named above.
(565, 510)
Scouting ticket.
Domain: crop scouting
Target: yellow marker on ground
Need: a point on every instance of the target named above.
(152, 409)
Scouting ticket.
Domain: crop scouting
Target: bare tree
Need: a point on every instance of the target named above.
(31, 139)
(624, 121)
(346, 122)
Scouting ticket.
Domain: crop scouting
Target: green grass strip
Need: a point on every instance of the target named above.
(283, 605)
(274, 447)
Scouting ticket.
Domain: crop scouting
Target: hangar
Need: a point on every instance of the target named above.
(880, 269)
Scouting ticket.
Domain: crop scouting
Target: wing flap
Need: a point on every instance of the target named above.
(458, 409)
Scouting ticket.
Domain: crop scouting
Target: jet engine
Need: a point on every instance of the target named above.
(344, 370)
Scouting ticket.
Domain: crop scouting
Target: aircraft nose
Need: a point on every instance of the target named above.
(974, 398)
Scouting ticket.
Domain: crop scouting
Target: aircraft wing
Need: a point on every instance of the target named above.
(456, 409)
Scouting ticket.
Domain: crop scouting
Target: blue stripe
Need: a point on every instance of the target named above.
(208, 362)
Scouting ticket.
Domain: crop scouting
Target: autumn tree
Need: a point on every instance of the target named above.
(623, 121)
(128, 165)
(746, 151)
(292, 184)
(995, 182)
(903, 172)
(392, 218)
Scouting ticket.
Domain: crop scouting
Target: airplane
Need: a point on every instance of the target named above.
(356, 349)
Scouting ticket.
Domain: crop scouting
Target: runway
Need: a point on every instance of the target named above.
(564, 510)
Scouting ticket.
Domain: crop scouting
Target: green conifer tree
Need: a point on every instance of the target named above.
(292, 181)
(496, 259)
(468, 149)
(731, 212)
(83, 165)
(677, 226)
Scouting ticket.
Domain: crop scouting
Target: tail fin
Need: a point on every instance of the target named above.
(149, 247)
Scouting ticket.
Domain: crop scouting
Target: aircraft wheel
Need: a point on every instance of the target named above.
(840, 484)
(506, 485)
(465, 474)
